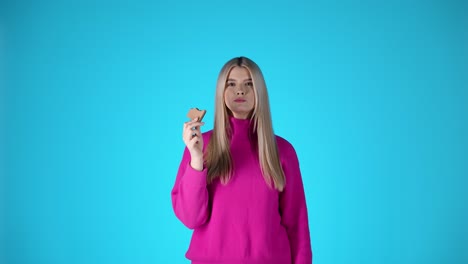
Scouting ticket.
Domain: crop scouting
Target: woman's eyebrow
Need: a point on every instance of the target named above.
(249, 79)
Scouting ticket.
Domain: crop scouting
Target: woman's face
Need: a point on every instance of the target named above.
(239, 95)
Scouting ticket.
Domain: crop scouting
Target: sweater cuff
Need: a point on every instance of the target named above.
(194, 177)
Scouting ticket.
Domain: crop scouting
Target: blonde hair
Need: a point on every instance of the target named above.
(217, 153)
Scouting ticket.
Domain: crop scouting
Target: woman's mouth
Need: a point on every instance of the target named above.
(239, 100)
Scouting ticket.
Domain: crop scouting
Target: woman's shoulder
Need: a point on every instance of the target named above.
(284, 146)
(207, 135)
(287, 153)
(206, 138)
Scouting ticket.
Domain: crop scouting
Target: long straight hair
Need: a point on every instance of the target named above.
(217, 154)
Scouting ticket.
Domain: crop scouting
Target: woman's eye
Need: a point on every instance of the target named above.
(249, 83)
(231, 84)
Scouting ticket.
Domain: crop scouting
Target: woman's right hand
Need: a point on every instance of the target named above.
(194, 141)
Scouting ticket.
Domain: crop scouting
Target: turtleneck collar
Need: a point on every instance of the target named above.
(241, 127)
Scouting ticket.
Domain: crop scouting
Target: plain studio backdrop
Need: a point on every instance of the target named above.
(372, 94)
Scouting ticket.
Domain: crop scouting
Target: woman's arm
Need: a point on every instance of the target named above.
(293, 209)
(190, 194)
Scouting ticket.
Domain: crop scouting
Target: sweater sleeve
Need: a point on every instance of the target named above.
(190, 194)
(293, 210)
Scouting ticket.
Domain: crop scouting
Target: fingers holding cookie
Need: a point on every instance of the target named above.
(193, 124)
(192, 136)
(194, 143)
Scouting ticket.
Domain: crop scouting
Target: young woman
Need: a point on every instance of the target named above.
(239, 186)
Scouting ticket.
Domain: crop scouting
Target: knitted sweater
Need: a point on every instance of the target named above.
(244, 221)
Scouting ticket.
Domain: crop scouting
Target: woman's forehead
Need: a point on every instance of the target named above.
(239, 73)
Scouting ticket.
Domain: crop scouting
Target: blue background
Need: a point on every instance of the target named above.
(372, 94)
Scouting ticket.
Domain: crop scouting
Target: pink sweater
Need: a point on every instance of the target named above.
(244, 221)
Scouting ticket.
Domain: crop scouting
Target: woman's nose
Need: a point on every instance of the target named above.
(239, 92)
